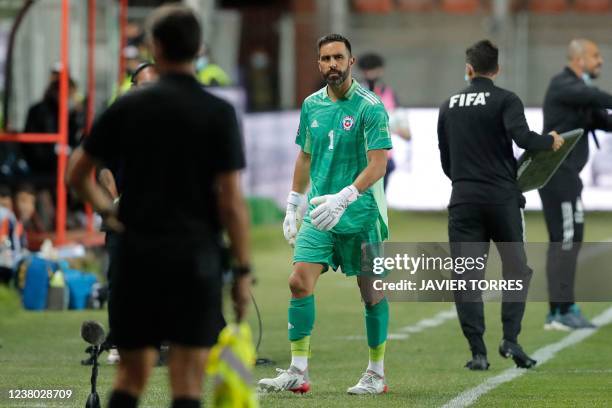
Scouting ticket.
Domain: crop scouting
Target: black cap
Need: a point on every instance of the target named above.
(370, 61)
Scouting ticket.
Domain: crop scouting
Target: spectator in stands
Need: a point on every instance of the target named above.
(145, 74)
(12, 234)
(24, 206)
(6, 201)
(133, 59)
(372, 68)
(208, 73)
(41, 158)
(8, 223)
(12, 164)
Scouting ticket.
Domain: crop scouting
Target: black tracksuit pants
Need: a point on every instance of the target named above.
(564, 216)
(481, 223)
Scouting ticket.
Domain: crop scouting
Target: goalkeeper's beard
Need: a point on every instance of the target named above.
(338, 80)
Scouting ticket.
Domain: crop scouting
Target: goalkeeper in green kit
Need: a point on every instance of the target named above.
(343, 136)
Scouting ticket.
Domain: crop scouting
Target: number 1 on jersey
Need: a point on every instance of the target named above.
(331, 139)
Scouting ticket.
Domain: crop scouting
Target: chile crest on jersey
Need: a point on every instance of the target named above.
(348, 122)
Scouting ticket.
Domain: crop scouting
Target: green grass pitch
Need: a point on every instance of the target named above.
(43, 350)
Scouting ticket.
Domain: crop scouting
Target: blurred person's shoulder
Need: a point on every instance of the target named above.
(505, 93)
(213, 99)
(133, 96)
(567, 78)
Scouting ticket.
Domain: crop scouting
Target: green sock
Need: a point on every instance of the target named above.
(301, 321)
(377, 322)
(301, 317)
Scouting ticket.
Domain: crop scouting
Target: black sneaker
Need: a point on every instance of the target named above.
(521, 359)
(478, 363)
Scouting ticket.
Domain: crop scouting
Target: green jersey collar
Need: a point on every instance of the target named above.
(351, 91)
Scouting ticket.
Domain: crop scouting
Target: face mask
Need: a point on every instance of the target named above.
(201, 63)
(259, 60)
(587, 78)
(466, 78)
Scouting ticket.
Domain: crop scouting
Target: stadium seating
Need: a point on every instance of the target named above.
(548, 6)
(460, 6)
(415, 5)
(373, 6)
(593, 6)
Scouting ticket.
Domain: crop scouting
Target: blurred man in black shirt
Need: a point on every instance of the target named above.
(570, 102)
(476, 128)
(145, 74)
(180, 153)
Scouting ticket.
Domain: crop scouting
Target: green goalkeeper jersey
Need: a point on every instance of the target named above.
(338, 135)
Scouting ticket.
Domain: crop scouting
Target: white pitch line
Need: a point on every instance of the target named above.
(404, 332)
(544, 354)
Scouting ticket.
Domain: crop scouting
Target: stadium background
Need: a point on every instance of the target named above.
(423, 43)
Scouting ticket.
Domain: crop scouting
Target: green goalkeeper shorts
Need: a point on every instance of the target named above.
(336, 250)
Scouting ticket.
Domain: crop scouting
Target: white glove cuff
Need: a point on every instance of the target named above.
(351, 193)
(294, 199)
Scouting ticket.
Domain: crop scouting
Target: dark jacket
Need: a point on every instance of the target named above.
(43, 118)
(476, 128)
(569, 104)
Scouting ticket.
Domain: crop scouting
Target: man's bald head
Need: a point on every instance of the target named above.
(584, 57)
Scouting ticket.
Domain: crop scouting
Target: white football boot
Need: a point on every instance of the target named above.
(369, 383)
(292, 380)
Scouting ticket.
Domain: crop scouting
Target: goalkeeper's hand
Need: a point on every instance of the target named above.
(330, 207)
(293, 216)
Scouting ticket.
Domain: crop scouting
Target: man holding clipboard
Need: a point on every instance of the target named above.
(571, 102)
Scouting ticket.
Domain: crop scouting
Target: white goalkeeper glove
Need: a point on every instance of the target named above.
(293, 216)
(330, 207)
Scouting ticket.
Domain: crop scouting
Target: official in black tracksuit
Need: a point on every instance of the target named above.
(570, 102)
(476, 128)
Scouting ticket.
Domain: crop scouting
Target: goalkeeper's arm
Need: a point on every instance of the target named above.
(301, 173)
(375, 170)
